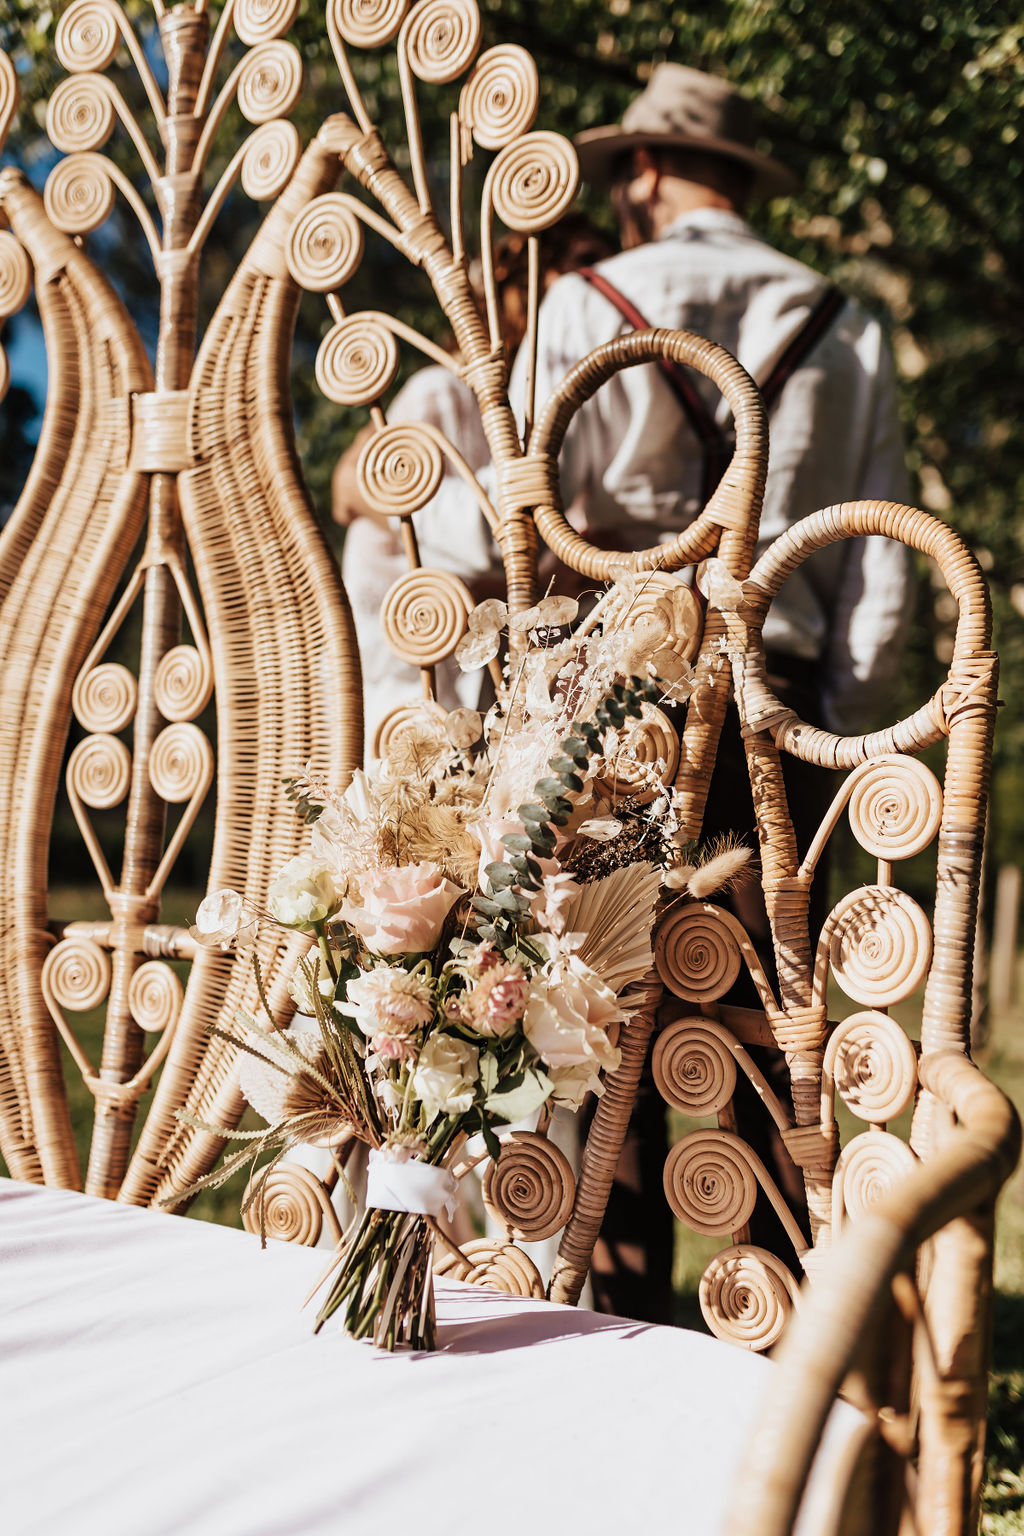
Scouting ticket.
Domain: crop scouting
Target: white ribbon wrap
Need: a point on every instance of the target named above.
(412, 1186)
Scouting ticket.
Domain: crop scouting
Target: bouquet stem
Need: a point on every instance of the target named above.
(385, 1283)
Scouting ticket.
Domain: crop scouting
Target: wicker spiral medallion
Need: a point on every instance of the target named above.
(499, 100)
(747, 1296)
(15, 274)
(531, 1188)
(181, 763)
(500, 1266)
(424, 615)
(155, 996)
(357, 361)
(367, 23)
(292, 1205)
(693, 1068)
(324, 245)
(870, 1166)
(87, 36)
(80, 114)
(441, 39)
(881, 945)
(100, 771)
(269, 81)
(184, 683)
(79, 194)
(76, 974)
(895, 806)
(709, 1183)
(105, 698)
(649, 752)
(696, 953)
(406, 717)
(260, 21)
(874, 1067)
(534, 181)
(269, 160)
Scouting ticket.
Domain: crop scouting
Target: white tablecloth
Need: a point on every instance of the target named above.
(158, 1376)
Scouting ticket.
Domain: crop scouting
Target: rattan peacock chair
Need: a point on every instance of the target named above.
(171, 488)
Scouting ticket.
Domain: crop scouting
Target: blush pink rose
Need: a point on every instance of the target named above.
(401, 911)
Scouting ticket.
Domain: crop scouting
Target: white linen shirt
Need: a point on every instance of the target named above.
(632, 460)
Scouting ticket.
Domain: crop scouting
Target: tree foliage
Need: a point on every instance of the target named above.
(903, 123)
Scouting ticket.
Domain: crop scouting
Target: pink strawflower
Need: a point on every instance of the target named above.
(496, 1002)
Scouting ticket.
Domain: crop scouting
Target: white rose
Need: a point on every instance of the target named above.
(303, 894)
(568, 1014)
(444, 1079)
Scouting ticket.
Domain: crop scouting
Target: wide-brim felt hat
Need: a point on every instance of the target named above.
(688, 109)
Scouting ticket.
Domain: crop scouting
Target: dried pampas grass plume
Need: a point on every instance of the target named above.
(723, 864)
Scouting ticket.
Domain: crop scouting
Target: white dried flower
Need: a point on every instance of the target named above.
(223, 918)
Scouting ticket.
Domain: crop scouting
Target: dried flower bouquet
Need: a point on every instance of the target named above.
(481, 903)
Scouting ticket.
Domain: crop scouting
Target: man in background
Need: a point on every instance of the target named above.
(643, 456)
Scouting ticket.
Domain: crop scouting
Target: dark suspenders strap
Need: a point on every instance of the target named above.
(714, 443)
(808, 336)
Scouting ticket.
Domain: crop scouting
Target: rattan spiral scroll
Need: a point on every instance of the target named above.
(79, 194)
(87, 36)
(15, 274)
(400, 470)
(368, 23)
(184, 683)
(100, 771)
(648, 756)
(270, 158)
(868, 1168)
(881, 945)
(181, 763)
(533, 182)
(424, 616)
(709, 1183)
(696, 954)
(289, 1203)
(269, 81)
(80, 114)
(500, 1266)
(499, 100)
(406, 717)
(895, 807)
(76, 973)
(325, 244)
(105, 697)
(260, 21)
(155, 996)
(530, 1189)
(694, 1069)
(668, 617)
(747, 1296)
(357, 361)
(441, 39)
(874, 1067)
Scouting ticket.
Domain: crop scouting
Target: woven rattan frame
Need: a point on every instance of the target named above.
(191, 457)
